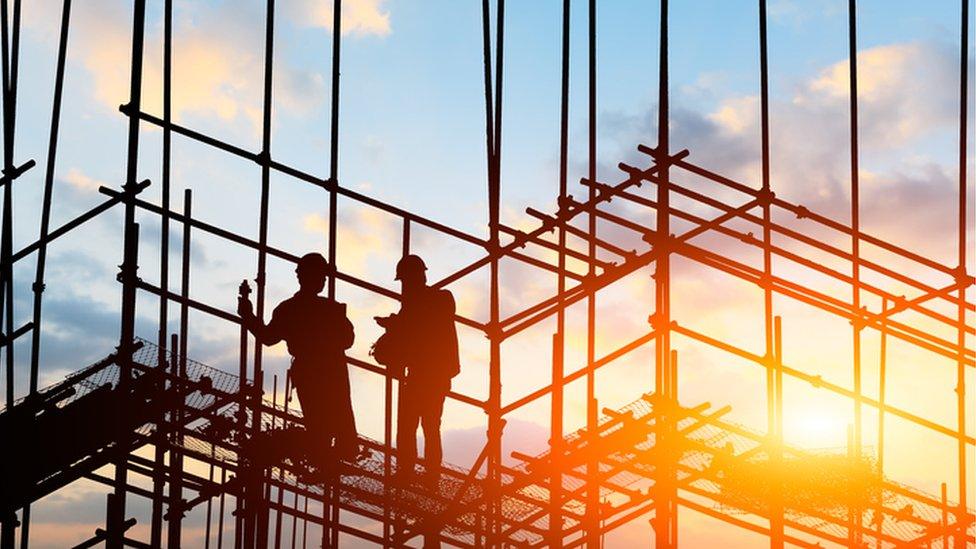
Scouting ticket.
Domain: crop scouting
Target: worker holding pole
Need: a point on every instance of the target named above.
(317, 332)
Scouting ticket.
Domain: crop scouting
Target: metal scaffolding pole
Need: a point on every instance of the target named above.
(559, 338)
(493, 112)
(773, 396)
(665, 510)
(594, 519)
(156, 518)
(962, 278)
(330, 511)
(854, 529)
(130, 264)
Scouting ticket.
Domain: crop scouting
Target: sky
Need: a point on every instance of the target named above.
(412, 134)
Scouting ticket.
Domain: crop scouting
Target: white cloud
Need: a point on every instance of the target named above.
(365, 236)
(907, 92)
(79, 180)
(217, 60)
(359, 17)
(904, 90)
(736, 115)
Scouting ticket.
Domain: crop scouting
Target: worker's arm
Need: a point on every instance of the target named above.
(266, 334)
(448, 304)
(346, 333)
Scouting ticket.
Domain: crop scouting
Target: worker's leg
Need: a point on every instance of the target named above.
(341, 418)
(311, 412)
(347, 441)
(310, 396)
(431, 421)
(433, 408)
(408, 416)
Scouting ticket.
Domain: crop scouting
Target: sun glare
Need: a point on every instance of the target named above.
(816, 429)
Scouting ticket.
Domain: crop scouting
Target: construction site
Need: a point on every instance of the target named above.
(225, 449)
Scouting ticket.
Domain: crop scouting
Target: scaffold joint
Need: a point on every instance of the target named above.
(765, 197)
(963, 279)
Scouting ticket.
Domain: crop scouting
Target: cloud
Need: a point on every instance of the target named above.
(359, 17)
(79, 180)
(907, 93)
(904, 90)
(462, 446)
(316, 223)
(366, 237)
(217, 60)
(706, 84)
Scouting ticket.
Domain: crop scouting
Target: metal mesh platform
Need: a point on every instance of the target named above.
(623, 448)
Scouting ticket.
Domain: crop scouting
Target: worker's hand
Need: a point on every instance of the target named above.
(384, 321)
(244, 307)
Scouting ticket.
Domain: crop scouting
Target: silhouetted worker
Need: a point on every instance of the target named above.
(317, 333)
(428, 350)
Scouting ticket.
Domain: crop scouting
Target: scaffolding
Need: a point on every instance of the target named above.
(651, 458)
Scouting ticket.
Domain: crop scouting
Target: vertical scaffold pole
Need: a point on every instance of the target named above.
(209, 513)
(664, 506)
(493, 110)
(6, 268)
(256, 533)
(495, 367)
(854, 530)
(490, 168)
(330, 510)
(52, 152)
(129, 276)
(592, 467)
(11, 47)
(156, 516)
(38, 286)
(559, 339)
(281, 477)
(242, 391)
(772, 361)
(179, 352)
(961, 276)
(389, 491)
(174, 513)
(334, 139)
(882, 391)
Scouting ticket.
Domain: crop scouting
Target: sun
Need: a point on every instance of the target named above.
(815, 428)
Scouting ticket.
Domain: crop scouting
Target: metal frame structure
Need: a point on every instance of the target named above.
(653, 457)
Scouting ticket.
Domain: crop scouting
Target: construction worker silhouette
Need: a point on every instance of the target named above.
(428, 351)
(317, 333)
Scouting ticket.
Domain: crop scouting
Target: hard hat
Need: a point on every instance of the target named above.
(313, 264)
(409, 265)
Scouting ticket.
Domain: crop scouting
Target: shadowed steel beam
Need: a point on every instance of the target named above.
(130, 264)
(52, 151)
(156, 514)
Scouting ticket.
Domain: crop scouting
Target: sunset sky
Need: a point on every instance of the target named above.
(412, 134)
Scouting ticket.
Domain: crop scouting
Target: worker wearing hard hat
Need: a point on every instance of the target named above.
(427, 349)
(317, 332)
